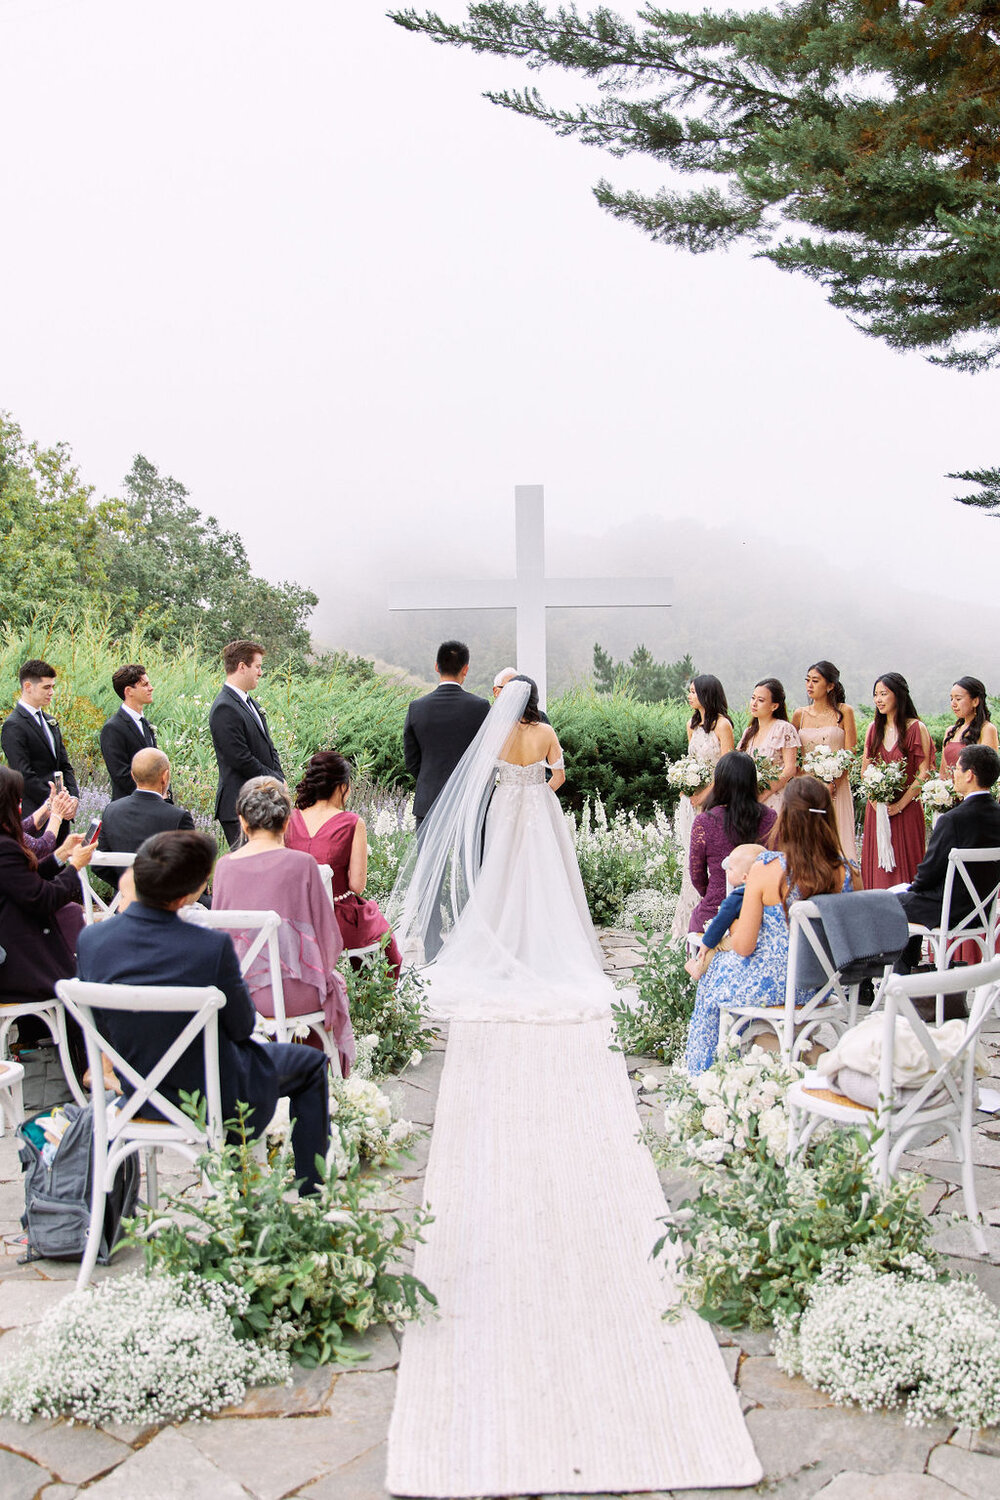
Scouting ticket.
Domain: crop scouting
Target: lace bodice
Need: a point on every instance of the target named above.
(510, 775)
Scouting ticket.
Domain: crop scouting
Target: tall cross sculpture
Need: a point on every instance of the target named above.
(530, 593)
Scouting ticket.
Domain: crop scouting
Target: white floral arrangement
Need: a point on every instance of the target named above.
(888, 1339)
(362, 1123)
(715, 1116)
(649, 909)
(139, 1349)
(937, 795)
(621, 854)
(884, 781)
(826, 763)
(768, 770)
(690, 774)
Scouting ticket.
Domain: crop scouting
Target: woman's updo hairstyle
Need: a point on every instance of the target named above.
(263, 803)
(530, 713)
(325, 772)
(836, 695)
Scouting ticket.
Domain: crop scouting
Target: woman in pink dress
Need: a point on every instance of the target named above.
(828, 719)
(896, 734)
(769, 733)
(322, 827)
(972, 724)
(263, 875)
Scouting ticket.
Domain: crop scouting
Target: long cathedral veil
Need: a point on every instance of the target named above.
(439, 871)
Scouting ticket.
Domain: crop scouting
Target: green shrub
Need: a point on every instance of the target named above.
(392, 1012)
(615, 748)
(657, 1025)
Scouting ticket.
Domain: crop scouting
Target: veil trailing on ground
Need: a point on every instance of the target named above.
(439, 872)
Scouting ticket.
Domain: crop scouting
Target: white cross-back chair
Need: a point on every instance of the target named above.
(944, 1103)
(95, 906)
(370, 951)
(129, 1130)
(52, 1014)
(265, 925)
(978, 926)
(833, 1002)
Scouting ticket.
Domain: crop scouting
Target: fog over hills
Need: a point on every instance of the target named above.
(743, 607)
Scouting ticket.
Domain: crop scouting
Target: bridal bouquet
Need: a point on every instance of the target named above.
(937, 795)
(690, 774)
(826, 764)
(767, 770)
(882, 783)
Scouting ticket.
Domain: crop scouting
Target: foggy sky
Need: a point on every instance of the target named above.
(291, 255)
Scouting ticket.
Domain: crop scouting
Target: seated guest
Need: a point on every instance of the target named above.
(973, 824)
(149, 944)
(48, 818)
(322, 827)
(716, 934)
(40, 914)
(129, 821)
(262, 875)
(732, 815)
(807, 862)
(127, 731)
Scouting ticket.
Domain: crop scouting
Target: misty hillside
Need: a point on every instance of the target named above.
(743, 609)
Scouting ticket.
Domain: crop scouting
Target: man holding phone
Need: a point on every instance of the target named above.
(33, 744)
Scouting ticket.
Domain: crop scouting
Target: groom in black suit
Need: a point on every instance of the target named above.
(238, 725)
(973, 824)
(32, 741)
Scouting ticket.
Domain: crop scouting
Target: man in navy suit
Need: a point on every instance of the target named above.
(128, 822)
(973, 824)
(127, 731)
(238, 725)
(149, 944)
(32, 742)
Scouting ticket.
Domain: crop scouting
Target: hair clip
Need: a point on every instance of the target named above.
(820, 810)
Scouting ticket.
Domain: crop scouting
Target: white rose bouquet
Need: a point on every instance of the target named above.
(882, 783)
(826, 763)
(937, 795)
(767, 770)
(690, 774)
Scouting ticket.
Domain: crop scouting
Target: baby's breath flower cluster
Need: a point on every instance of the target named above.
(901, 1338)
(621, 855)
(649, 908)
(139, 1349)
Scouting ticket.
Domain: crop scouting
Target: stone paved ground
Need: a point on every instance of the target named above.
(324, 1437)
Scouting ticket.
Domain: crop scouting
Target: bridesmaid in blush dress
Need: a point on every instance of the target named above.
(896, 734)
(321, 826)
(710, 735)
(828, 719)
(972, 724)
(770, 733)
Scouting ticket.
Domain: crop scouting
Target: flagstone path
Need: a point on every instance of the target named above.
(324, 1437)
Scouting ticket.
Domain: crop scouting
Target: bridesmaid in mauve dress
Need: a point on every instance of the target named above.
(829, 720)
(710, 735)
(896, 733)
(770, 733)
(972, 724)
(321, 826)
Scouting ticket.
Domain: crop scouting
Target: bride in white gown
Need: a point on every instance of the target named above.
(519, 943)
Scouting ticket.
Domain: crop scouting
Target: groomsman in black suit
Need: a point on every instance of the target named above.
(32, 742)
(128, 821)
(238, 725)
(127, 731)
(973, 824)
(439, 729)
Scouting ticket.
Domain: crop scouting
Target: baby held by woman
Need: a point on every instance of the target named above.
(716, 934)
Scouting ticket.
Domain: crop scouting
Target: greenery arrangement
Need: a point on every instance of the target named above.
(657, 1024)
(140, 1349)
(623, 859)
(392, 1012)
(314, 1269)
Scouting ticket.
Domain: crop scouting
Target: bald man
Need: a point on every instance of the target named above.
(128, 821)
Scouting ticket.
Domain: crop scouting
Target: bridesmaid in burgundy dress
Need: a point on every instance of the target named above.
(896, 733)
(322, 827)
(972, 724)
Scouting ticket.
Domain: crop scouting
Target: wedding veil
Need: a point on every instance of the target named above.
(439, 871)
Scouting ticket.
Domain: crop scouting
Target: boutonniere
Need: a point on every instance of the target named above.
(50, 720)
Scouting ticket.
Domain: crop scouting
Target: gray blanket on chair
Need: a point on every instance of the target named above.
(861, 932)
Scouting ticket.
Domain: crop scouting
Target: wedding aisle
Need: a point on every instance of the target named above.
(550, 1368)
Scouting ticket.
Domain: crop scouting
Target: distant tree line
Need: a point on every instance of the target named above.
(642, 676)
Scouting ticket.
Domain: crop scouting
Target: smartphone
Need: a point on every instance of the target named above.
(92, 831)
(59, 781)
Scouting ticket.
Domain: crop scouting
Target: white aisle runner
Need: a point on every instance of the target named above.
(550, 1368)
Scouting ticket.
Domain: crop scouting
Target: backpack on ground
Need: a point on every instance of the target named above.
(57, 1193)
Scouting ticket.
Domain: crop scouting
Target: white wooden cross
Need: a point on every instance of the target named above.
(530, 593)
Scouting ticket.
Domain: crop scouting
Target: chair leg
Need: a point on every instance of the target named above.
(61, 1038)
(152, 1179)
(98, 1197)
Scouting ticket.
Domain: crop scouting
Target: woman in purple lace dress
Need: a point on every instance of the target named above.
(732, 815)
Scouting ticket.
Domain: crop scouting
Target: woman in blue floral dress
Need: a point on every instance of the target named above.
(808, 862)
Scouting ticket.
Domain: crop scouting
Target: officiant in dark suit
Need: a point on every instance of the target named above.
(32, 742)
(973, 824)
(127, 731)
(128, 821)
(238, 725)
